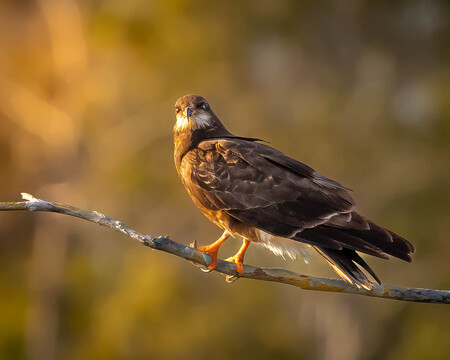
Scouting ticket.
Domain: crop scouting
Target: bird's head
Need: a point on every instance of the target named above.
(194, 113)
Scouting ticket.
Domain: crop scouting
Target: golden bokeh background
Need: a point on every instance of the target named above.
(360, 90)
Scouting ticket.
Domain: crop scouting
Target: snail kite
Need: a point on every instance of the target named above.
(253, 190)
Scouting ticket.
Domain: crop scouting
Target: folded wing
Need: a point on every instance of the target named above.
(266, 189)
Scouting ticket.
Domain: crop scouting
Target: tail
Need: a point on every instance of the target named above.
(339, 239)
(345, 263)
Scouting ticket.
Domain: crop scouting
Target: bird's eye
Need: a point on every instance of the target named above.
(177, 110)
(204, 105)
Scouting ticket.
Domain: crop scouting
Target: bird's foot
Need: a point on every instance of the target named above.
(201, 267)
(238, 260)
(232, 278)
(212, 251)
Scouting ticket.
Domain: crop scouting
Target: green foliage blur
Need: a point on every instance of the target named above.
(359, 90)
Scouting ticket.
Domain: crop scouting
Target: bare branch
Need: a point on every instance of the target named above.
(227, 268)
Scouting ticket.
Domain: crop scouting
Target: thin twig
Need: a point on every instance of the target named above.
(197, 257)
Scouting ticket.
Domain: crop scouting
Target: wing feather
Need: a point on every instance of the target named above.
(264, 189)
(243, 179)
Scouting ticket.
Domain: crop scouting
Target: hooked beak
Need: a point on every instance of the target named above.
(188, 112)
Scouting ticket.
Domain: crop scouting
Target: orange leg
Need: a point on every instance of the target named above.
(238, 259)
(213, 249)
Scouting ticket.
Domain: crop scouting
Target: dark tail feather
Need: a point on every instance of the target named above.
(338, 240)
(373, 240)
(345, 263)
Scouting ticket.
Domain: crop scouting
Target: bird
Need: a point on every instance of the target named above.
(249, 188)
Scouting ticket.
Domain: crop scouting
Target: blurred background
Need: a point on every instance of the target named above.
(360, 90)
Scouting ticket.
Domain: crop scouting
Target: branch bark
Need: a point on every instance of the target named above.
(164, 243)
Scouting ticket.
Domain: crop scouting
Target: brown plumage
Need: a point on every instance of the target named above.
(251, 189)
